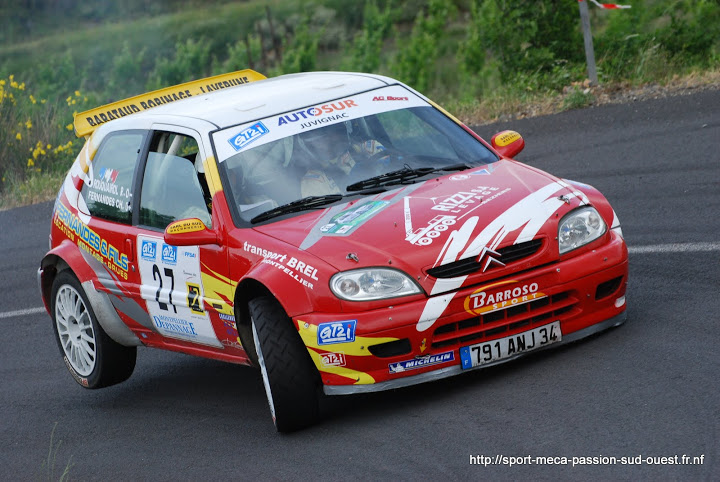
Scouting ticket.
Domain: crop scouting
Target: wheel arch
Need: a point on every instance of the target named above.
(292, 302)
(64, 258)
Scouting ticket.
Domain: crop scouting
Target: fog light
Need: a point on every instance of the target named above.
(619, 302)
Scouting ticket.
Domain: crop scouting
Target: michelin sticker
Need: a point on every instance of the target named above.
(421, 362)
(173, 292)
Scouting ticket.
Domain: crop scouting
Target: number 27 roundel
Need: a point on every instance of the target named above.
(172, 290)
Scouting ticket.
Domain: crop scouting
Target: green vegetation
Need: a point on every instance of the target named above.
(480, 58)
(48, 465)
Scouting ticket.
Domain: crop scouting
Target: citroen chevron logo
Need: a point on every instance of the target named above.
(491, 257)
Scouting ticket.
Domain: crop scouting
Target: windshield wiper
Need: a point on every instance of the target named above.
(401, 176)
(309, 202)
(297, 206)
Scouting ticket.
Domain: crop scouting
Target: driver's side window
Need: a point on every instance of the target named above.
(174, 184)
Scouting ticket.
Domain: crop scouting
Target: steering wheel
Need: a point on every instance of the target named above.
(374, 164)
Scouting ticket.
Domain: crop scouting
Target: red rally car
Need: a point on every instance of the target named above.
(340, 231)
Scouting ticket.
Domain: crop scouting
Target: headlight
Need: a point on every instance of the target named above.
(372, 284)
(579, 228)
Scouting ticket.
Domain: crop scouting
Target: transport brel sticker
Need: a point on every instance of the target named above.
(173, 291)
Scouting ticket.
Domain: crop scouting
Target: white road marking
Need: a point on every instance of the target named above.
(29, 311)
(652, 248)
(674, 248)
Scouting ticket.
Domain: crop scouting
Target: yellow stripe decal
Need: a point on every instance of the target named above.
(86, 122)
(212, 175)
(445, 112)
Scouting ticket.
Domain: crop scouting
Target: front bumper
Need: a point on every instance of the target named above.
(585, 293)
(456, 369)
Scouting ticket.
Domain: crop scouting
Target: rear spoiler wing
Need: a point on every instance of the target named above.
(86, 122)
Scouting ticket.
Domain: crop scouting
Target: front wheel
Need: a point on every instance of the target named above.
(289, 375)
(93, 358)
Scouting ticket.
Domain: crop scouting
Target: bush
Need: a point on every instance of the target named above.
(35, 136)
(192, 61)
(366, 50)
(694, 31)
(300, 53)
(415, 62)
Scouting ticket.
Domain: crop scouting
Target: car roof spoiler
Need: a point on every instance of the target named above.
(86, 122)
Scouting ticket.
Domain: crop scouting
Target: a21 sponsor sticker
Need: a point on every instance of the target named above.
(248, 135)
(169, 254)
(336, 332)
(148, 250)
(332, 359)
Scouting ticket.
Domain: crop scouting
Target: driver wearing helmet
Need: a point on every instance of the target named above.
(333, 156)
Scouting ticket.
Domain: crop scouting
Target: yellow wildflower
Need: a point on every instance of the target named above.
(18, 136)
(22, 86)
(32, 99)
(42, 101)
(69, 127)
(48, 146)
(28, 124)
(30, 163)
(77, 93)
(14, 84)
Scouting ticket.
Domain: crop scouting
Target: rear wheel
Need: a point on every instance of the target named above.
(93, 358)
(289, 375)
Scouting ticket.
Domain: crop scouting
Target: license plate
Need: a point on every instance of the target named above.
(491, 351)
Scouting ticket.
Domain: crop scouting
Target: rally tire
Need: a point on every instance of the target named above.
(290, 378)
(93, 358)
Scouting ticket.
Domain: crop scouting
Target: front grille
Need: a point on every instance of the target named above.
(508, 320)
(466, 266)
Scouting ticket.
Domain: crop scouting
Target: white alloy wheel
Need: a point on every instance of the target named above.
(75, 330)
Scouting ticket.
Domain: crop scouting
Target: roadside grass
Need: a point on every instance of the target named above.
(48, 466)
(36, 188)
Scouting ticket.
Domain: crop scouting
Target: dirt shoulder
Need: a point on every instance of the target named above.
(620, 93)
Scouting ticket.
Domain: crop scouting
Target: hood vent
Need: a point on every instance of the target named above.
(467, 266)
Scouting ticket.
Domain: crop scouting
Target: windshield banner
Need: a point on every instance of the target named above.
(236, 139)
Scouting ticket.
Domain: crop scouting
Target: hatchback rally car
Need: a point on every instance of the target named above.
(339, 231)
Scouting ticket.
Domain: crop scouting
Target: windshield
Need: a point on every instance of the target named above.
(371, 140)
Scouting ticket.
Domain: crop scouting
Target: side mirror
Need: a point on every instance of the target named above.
(189, 232)
(508, 143)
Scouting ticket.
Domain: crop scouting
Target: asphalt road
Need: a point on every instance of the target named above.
(647, 390)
